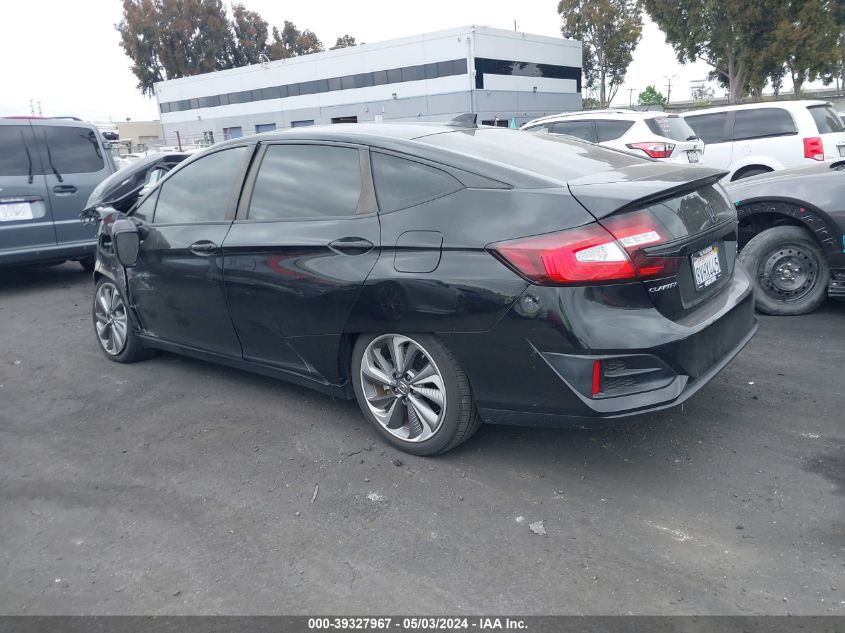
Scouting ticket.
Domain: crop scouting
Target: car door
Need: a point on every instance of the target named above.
(766, 135)
(177, 285)
(298, 254)
(75, 162)
(26, 224)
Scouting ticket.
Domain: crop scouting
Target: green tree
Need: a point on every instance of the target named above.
(609, 31)
(732, 36)
(291, 42)
(139, 38)
(806, 41)
(590, 103)
(167, 39)
(250, 36)
(344, 41)
(651, 96)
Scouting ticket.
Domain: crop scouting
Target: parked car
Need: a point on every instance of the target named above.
(792, 236)
(656, 135)
(48, 168)
(756, 138)
(441, 275)
(109, 131)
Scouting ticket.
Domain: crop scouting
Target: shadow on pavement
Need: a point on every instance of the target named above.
(41, 277)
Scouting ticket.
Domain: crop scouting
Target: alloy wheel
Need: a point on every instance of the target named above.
(110, 319)
(403, 387)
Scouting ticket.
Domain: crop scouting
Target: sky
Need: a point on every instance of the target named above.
(72, 62)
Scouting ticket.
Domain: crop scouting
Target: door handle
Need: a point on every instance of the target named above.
(351, 246)
(64, 190)
(203, 248)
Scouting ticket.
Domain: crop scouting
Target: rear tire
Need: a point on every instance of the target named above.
(114, 324)
(427, 409)
(788, 269)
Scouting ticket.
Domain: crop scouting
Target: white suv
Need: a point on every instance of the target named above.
(657, 135)
(756, 138)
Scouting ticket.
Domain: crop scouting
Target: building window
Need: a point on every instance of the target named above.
(345, 119)
(264, 127)
(304, 123)
(232, 132)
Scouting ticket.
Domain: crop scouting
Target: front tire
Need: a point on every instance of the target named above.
(788, 269)
(114, 325)
(414, 392)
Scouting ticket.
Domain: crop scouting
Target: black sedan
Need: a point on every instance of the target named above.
(792, 236)
(441, 275)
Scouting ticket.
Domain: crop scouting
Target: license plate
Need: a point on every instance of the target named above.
(706, 267)
(692, 156)
(15, 211)
(841, 150)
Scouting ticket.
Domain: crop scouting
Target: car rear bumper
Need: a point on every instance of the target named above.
(535, 369)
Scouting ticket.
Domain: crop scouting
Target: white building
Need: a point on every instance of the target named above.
(499, 75)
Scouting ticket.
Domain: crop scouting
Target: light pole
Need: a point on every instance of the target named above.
(631, 97)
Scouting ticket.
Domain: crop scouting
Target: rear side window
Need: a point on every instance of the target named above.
(585, 130)
(202, 191)
(307, 181)
(404, 183)
(673, 127)
(826, 119)
(762, 123)
(14, 159)
(710, 128)
(611, 130)
(71, 150)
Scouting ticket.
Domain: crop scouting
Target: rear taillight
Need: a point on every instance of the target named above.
(814, 148)
(654, 150)
(592, 253)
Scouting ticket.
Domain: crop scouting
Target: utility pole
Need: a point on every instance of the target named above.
(631, 97)
(669, 88)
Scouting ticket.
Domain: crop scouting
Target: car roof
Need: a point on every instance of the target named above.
(605, 114)
(785, 105)
(360, 132)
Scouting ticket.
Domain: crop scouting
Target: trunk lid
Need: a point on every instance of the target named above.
(695, 220)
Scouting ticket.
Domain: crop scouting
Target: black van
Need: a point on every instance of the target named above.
(48, 168)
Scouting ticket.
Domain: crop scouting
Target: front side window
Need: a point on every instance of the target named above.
(202, 191)
(307, 182)
(585, 130)
(762, 123)
(72, 150)
(404, 183)
(710, 128)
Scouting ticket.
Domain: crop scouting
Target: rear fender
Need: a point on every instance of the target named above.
(797, 211)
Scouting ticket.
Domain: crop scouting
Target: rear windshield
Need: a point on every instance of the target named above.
(17, 150)
(826, 119)
(555, 157)
(694, 212)
(673, 127)
(73, 150)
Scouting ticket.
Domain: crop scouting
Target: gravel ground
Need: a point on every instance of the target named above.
(173, 486)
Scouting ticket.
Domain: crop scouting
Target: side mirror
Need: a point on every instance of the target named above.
(127, 242)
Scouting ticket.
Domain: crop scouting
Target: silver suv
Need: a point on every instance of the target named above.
(48, 168)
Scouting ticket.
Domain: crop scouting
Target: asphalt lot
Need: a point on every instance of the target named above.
(173, 486)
